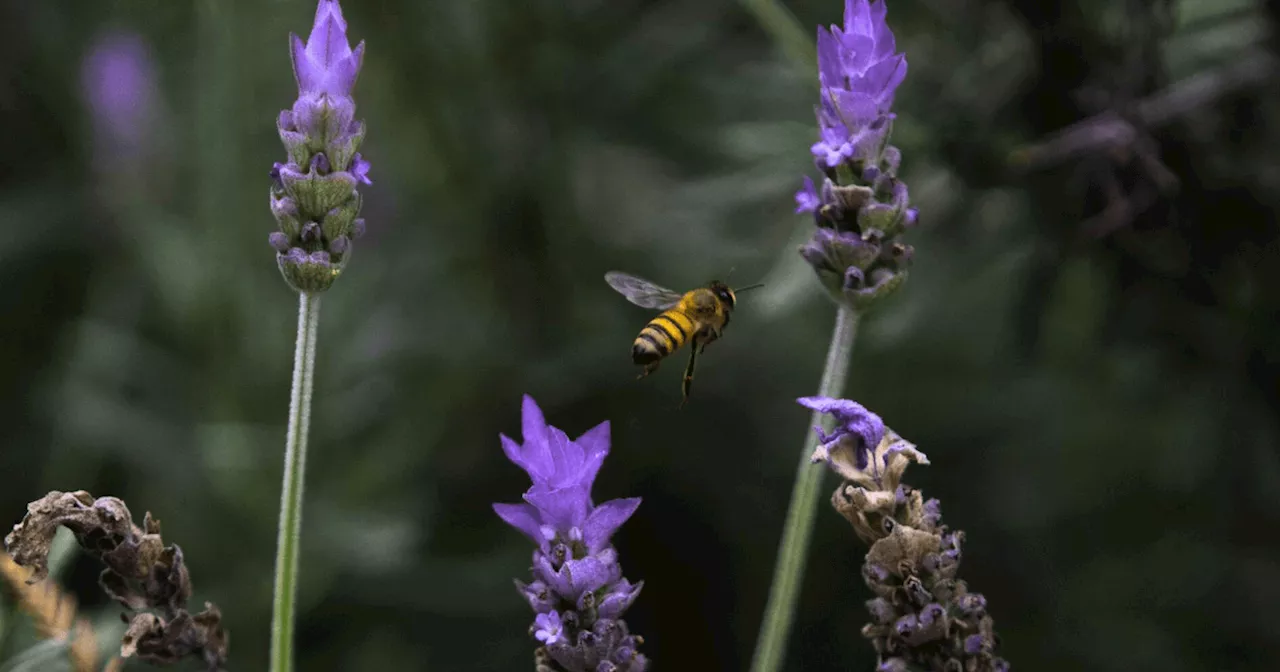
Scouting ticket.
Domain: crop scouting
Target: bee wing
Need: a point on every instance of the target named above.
(642, 292)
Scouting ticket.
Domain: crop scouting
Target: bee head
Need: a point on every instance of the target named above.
(723, 293)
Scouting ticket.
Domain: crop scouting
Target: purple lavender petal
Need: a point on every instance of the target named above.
(548, 630)
(307, 73)
(830, 405)
(883, 78)
(574, 577)
(327, 43)
(534, 433)
(588, 574)
(855, 56)
(279, 241)
(566, 460)
(515, 452)
(594, 444)
(538, 594)
(561, 508)
(855, 108)
(807, 197)
(830, 72)
(326, 63)
(618, 599)
(523, 517)
(605, 520)
(858, 17)
(360, 168)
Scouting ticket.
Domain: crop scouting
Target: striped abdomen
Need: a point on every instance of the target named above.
(662, 336)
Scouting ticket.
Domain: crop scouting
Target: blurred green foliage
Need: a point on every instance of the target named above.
(1089, 357)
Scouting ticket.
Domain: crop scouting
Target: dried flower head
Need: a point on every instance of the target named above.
(142, 573)
(862, 207)
(313, 195)
(578, 592)
(922, 616)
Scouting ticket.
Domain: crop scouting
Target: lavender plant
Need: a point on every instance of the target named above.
(578, 593)
(860, 212)
(315, 201)
(922, 616)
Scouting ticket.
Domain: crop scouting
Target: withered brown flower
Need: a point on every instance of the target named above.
(142, 573)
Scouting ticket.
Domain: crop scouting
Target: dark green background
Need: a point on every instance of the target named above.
(1099, 408)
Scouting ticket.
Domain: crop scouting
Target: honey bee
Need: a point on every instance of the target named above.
(699, 315)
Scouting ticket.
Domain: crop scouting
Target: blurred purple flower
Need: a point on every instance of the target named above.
(119, 86)
(578, 592)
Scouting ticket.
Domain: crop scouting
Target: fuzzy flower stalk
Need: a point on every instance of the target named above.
(578, 593)
(313, 195)
(922, 616)
(861, 208)
(315, 202)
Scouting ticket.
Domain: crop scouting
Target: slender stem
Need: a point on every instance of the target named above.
(793, 550)
(295, 468)
(787, 32)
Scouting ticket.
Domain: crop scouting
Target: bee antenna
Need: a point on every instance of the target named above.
(729, 274)
(743, 289)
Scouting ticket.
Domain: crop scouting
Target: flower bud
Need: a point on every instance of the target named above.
(314, 199)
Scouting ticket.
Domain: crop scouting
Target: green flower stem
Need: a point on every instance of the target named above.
(793, 550)
(787, 32)
(295, 468)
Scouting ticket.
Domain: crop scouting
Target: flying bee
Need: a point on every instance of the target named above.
(698, 315)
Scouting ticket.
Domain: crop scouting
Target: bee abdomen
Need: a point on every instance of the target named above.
(645, 351)
(661, 337)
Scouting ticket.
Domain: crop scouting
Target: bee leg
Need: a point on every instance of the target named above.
(687, 384)
(711, 335)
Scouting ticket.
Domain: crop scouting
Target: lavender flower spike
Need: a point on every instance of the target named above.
(313, 195)
(862, 207)
(922, 616)
(578, 593)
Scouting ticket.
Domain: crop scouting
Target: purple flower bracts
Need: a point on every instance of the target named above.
(313, 195)
(578, 592)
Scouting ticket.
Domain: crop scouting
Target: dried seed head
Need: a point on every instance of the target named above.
(142, 573)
